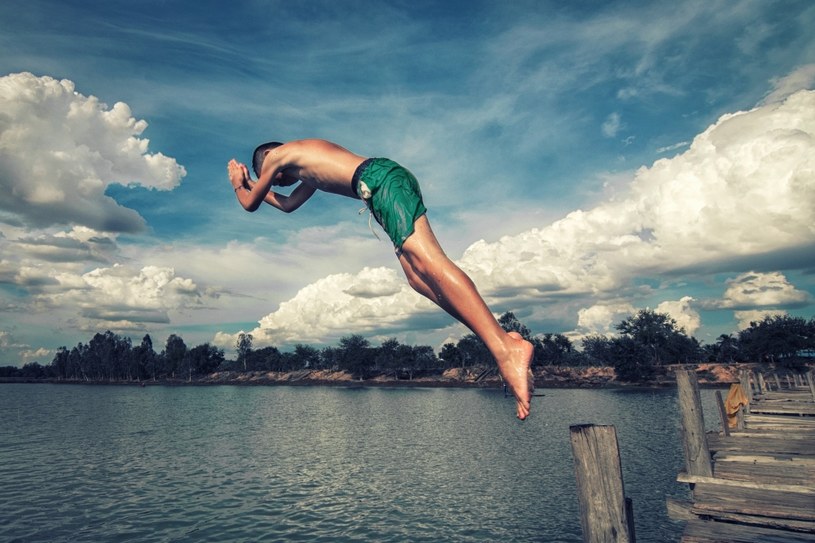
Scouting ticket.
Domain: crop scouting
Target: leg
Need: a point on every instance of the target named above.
(431, 273)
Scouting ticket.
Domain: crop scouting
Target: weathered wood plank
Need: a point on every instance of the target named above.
(753, 445)
(711, 499)
(754, 485)
(697, 531)
(786, 473)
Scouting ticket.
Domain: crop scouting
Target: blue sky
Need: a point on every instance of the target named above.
(580, 160)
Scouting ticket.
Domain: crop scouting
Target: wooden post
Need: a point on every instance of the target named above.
(722, 413)
(697, 453)
(744, 379)
(811, 381)
(604, 514)
(762, 386)
(777, 381)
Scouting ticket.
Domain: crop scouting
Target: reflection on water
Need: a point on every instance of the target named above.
(95, 463)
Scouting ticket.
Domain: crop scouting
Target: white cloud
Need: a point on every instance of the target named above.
(801, 78)
(698, 208)
(752, 290)
(122, 298)
(339, 305)
(601, 318)
(682, 311)
(59, 150)
(612, 125)
(747, 317)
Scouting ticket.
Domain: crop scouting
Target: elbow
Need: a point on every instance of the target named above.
(251, 208)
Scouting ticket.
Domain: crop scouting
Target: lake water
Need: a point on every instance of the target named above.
(229, 463)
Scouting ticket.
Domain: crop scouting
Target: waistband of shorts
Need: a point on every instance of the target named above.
(358, 173)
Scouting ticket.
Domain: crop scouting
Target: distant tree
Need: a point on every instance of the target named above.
(173, 355)
(265, 359)
(386, 358)
(511, 324)
(451, 356)
(33, 370)
(658, 333)
(330, 358)
(307, 357)
(553, 349)
(632, 359)
(244, 347)
(473, 352)
(145, 358)
(355, 355)
(597, 349)
(60, 363)
(204, 359)
(778, 339)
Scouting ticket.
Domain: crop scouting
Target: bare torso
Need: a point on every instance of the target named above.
(324, 165)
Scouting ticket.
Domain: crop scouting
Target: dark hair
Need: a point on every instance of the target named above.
(260, 154)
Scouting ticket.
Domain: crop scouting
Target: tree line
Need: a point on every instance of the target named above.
(645, 342)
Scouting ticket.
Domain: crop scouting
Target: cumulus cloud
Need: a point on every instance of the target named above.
(59, 150)
(122, 298)
(758, 290)
(682, 311)
(757, 315)
(601, 318)
(337, 305)
(801, 78)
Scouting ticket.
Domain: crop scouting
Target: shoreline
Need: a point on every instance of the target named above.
(709, 375)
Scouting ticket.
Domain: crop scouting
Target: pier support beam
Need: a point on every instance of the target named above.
(697, 453)
(605, 513)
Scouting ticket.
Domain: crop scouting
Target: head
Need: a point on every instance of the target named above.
(260, 154)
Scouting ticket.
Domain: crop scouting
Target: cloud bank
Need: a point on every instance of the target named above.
(59, 150)
(745, 187)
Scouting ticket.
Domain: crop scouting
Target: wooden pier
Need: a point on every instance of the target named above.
(754, 482)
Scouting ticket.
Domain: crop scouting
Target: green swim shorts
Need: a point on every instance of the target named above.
(392, 195)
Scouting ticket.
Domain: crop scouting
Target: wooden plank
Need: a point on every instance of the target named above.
(752, 445)
(794, 461)
(775, 487)
(786, 473)
(712, 499)
(698, 531)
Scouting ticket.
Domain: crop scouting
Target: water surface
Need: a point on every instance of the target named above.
(230, 463)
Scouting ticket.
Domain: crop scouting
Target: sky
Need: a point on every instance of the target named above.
(580, 160)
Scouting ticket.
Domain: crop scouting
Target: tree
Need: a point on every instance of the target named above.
(473, 352)
(553, 349)
(244, 347)
(778, 339)
(511, 324)
(204, 359)
(60, 362)
(659, 335)
(355, 355)
(145, 358)
(307, 357)
(451, 356)
(173, 355)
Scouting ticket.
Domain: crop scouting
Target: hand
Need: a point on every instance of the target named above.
(238, 174)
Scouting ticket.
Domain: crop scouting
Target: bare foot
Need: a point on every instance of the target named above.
(516, 371)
